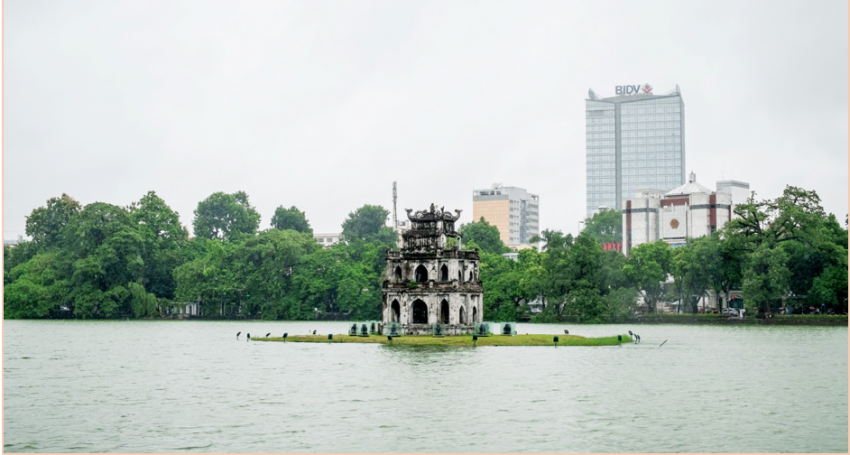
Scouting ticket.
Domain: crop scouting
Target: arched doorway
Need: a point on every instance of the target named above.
(461, 318)
(398, 273)
(395, 310)
(420, 312)
(444, 312)
(444, 273)
(421, 274)
(474, 314)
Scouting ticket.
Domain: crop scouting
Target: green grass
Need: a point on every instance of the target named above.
(459, 340)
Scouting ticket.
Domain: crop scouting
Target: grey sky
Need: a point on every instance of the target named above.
(323, 104)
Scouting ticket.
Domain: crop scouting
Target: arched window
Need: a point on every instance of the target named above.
(444, 312)
(444, 273)
(459, 276)
(396, 312)
(474, 314)
(421, 274)
(470, 275)
(461, 319)
(398, 273)
(420, 312)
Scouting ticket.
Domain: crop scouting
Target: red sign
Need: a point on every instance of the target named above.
(611, 246)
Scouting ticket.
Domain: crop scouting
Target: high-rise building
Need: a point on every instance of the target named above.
(514, 211)
(635, 140)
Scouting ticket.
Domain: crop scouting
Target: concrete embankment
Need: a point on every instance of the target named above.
(460, 340)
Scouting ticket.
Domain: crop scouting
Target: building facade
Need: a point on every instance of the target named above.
(514, 211)
(689, 211)
(327, 240)
(633, 141)
(427, 283)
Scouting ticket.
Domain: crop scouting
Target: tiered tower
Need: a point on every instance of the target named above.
(430, 281)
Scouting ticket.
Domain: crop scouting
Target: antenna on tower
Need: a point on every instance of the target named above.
(395, 197)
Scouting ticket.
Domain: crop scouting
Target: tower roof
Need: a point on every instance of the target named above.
(691, 187)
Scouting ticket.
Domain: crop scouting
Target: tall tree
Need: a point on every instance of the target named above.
(327, 284)
(368, 223)
(45, 224)
(225, 216)
(163, 242)
(108, 247)
(291, 218)
(485, 236)
(765, 279)
(647, 269)
(605, 226)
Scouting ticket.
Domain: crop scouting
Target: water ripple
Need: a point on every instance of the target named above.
(159, 386)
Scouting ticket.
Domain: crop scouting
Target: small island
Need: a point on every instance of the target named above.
(459, 340)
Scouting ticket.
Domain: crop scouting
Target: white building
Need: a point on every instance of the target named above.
(689, 211)
(327, 240)
(740, 192)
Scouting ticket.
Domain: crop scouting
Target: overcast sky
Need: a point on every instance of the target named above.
(323, 104)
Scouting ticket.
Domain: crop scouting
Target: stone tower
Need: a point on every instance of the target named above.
(428, 282)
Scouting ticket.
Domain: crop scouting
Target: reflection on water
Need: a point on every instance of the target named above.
(191, 386)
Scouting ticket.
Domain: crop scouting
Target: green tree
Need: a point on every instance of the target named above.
(556, 238)
(605, 226)
(37, 287)
(225, 216)
(728, 274)
(327, 284)
(368, 223)
(795, 222)
(266, 264)
(163, 242)
(765, 278)
(500, 278)
(107, 247)
(291, 218)
(45, 224)
(484, 235)
(647, 269)
(212, 281)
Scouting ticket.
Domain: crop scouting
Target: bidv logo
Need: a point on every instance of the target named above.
(633, 89)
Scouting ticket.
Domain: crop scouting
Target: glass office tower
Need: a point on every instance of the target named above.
(633, 142)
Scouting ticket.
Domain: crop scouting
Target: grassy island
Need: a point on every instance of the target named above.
(459, 340)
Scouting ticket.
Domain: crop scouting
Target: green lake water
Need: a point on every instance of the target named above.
(172, 386)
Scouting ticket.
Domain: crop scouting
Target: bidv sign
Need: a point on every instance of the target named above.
(646, 89)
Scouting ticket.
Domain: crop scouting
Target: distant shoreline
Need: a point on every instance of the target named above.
(686, 319)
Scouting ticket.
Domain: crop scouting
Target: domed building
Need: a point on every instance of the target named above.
(689, 211)
(432, 280)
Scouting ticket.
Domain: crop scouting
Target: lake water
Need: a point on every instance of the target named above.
(171, 386)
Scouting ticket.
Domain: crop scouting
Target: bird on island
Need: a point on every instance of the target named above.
(566, 332)
(267, 335)
(314, 332)
(249, 337)
(637, 339)
(237, 335)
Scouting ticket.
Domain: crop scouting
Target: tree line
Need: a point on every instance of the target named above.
(106, 261)
(780, 252)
